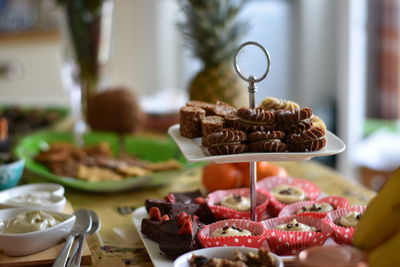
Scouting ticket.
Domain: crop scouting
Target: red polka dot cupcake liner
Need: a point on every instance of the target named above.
(311, 191)
(342, 235)
(335, 201)
(254, 241)
(291, 242)
(222, 212)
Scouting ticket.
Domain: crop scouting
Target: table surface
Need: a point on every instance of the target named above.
(118, 243)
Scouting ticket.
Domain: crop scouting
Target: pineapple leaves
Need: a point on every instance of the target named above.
(212, 28)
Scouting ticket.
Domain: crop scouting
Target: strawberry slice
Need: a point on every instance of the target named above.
(155, 213)
(200, 200)
(170, 198)
(165, 217)
(186, 228)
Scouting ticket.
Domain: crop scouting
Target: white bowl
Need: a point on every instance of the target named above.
(218, 252)
(57, 198)
(29, 243)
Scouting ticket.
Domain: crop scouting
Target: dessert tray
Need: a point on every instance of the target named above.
(195, 152)
(157, 258)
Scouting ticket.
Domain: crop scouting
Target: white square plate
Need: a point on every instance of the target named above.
(195, 152)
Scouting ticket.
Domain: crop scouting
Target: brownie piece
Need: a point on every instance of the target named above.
(187, 197)
(173, 209)
(190, 121)
(174, 242)
(151, 228)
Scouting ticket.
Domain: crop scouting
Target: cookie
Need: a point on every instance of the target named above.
(230, 120)
(309, 135)
(293, 116)
(226, 141)
(314, 145)
(211, 124)
(272, 103)
(297, 127)
(260, 135)
(317, 122)
(268, 146)
(257, 119)
(190, 121)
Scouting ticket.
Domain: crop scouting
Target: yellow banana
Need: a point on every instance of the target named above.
(387, 254)
(382, 216)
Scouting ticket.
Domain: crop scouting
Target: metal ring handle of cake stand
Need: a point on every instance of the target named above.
(252, 80)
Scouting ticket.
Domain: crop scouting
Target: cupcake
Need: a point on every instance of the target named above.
(316, 208)
(286, 191)
(232, 232)
(344, 222)
(291, 234)
(236, 204)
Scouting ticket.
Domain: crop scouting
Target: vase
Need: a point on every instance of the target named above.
(86, 37)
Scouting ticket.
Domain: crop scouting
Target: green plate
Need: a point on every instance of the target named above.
(151, 149)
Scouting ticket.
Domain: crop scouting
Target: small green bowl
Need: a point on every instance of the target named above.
(10, 173)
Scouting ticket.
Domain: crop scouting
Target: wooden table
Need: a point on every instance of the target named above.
(118, 243)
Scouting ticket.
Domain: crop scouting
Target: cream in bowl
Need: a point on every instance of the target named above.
(43, 196)
(25, 231)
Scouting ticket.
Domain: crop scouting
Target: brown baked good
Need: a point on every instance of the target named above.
(208, 107)
(317, 122)
(211, 124)
(226, 141)
(257, 119)
(267, 141)
(230, 120)
(297, 127)
(260, 135)
(293, 116)
(307, 136)
(313, 145)
(190, 121)
(273, 103)
(223, 109)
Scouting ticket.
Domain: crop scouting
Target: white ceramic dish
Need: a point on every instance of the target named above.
(195, 152)
(29, 243)
(152, 247)
(56, 192)
(218, 252)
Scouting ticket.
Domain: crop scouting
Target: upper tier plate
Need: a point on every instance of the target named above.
(195, 152)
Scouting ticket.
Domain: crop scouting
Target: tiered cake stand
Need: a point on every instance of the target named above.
(195, 152)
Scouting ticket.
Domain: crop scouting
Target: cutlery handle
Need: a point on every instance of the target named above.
(75, 259)
(63, 256)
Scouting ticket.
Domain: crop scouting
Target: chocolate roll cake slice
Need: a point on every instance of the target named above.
(209, 125)
(257, 119)
(293, 116)
(267, 141)
(190, 121)
(226, 141)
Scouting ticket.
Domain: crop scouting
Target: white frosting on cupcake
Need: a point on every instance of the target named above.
(295, 226)
(236, 202)
(317, 207)
(351, 219)
(231, 231)
(288, 194)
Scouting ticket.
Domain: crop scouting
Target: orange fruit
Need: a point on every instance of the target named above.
(221, 176)
(264, 169)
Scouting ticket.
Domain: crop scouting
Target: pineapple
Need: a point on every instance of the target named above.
(213, 32)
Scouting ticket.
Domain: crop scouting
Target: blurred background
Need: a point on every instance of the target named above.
(341, 58)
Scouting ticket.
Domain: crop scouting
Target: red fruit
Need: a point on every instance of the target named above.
(165, 217)
(200, 200)
(186, 228)
(155, 213)
(182, 219)
(170, 198)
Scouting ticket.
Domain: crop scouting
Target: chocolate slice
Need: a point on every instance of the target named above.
(314, 145)
(190, 121)
(297, 127)
(310, 135)
(226, 141)
(268, 146)
(261, 135)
